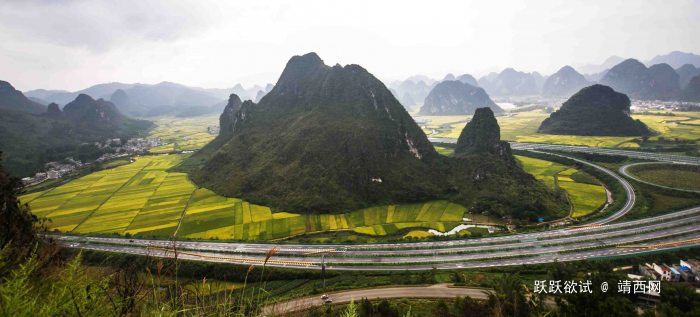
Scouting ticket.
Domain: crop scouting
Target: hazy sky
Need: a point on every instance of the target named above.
(73, 44)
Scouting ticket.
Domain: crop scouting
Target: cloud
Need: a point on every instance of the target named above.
(98, 26)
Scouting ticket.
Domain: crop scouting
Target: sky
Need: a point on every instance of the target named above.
(74, 44)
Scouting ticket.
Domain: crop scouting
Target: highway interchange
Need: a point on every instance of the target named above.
(529, 248)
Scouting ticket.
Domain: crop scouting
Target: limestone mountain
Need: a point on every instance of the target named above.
(598, 68)
(417, 90)
(482, 135)
(13, 99)
(124, 104)
(686, 73)
(514, 83)
(596, 77)
(594, 111)
(565, 82)
(259, 96)
(676, 59)
(468, 79)
(226, 118)
(452, 98)
(487, 82)
(100, 117)
(691, 93)
(29, 140)
(334, 139)
(407, 101)
(539, 80)
(449, 77)
(659, 82)
(39, 100)
(54, 111)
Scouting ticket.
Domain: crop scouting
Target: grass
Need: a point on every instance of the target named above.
(687, 177)
(143, 199)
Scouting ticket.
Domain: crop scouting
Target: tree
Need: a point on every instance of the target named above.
(367, 308)
(17, 223)
(385, 309)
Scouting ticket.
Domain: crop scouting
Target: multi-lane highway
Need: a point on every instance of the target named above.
(529, 248)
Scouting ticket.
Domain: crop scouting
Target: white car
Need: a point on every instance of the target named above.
(324, 296)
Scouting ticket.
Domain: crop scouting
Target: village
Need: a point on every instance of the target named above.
(56, 170)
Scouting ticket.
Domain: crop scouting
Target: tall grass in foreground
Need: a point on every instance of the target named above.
(35, 287)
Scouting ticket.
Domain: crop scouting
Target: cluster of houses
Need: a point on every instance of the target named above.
(646, 105)
(213, 129)
(686, 271)
(54, 170)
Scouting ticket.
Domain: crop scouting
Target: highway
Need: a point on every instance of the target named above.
(516, 249)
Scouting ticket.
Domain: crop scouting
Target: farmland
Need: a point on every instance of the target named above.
(687, 177)
(172, 130)
(522, 127)
(143, 199)
(585, 193)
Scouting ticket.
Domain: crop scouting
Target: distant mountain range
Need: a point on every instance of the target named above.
(13, 99)
(453, 97)
(631, 77)
(598, 68)
(565, 82)
(675, 59)
(140, 98)
(686, 73)
(32, 134)
(510, 83)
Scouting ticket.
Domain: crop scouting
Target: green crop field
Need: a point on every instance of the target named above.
(585, 197)
(105, 201)
(522, 127)
(687, 177)
(143, 199)
(585, 193)
(172, 130)
(542, 170)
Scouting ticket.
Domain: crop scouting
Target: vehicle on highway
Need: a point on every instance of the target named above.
(324, 296)
(131, 240)
(328, 301)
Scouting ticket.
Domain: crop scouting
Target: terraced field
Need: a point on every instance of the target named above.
(142, 199)
(585, 193)
(173, 130)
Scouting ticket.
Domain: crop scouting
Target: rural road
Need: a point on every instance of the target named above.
(377, 293)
